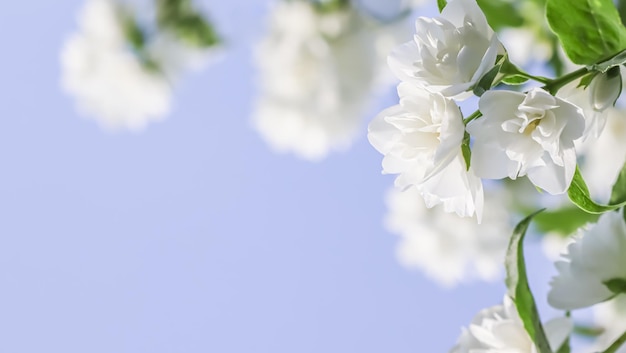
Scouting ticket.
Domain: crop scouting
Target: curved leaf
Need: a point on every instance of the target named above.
(518, 289)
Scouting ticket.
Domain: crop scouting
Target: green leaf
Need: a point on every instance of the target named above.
(565, 347)
(133, 32)
(586, 80)
(616, 285)
(514, 80)
(564, 221)
(501, 13)
(579, 194)
(485, 82)
(618, 193)
(518, 288)
(588, 331)
(465, 149)
(186, 23)
(441, 4)
(621, 9)
(604, 66)
(590, 30)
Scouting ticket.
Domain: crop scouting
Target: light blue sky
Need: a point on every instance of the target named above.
(193, 236)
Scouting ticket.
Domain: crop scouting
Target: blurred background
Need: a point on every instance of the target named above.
(202, 229)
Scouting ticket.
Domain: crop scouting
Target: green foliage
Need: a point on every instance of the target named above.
(441, 4)
(133, 32)
(514, 80)
(186, 23)
(487, 80)
(586, 80)
(579, 194)
(589, 30)
(616, 285)
(565, 347)
(621, 9)
(588, 331)
(329, 6)
(564, 221)
(518, 288)
(501, 13)
(618, 193)
(465, 149)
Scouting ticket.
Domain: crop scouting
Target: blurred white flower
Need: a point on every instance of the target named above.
(421, 140)
(610, 316)
(175, 56)
(500, 329)
(554, 245)
(524, 46)
(448, 248)
(316, 72)
(527, 134)
(109, 80)
(595, 257)
(450, 53)
(603, 158)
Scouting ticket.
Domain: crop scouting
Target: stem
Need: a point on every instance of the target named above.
(475, 115)
(509, 69)
(541, 79)
(617, 344)
(553, 86)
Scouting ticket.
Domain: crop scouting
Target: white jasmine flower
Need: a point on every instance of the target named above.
(500, 329)
(527, 134)
(450, 53)
(604, 157)
(110, 82)
(316, 72)
(595, 257)
(448, 248)
(421, 140)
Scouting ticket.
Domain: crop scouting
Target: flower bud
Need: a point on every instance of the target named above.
(605, 89)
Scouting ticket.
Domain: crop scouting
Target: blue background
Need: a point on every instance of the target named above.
(193, 236)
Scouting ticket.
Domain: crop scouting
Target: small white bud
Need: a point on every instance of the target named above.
(605, 89)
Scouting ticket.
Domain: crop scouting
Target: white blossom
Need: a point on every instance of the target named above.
(448, 248)
(500, 329)
(610, 316)
(527, 134)
(421, 140)
(316, 71)
(595, 257)
(110, 82)
(450, 53)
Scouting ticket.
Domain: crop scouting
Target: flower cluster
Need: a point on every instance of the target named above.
(552, 131)
(117, 74)
(500, 329)
(514, 134)
(316, 70)
(448, 248)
